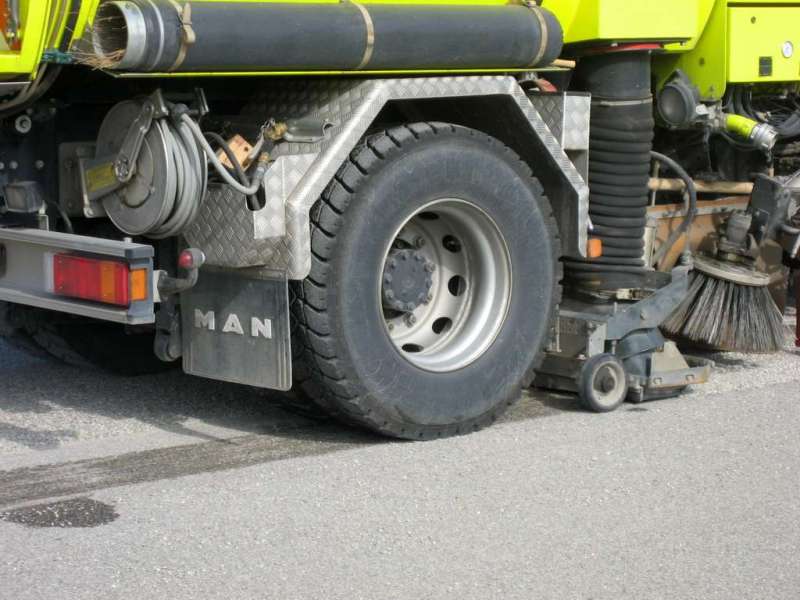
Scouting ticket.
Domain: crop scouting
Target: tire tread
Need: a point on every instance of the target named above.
(325, 380)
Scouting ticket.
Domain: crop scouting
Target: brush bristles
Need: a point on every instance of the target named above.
(113, 51)
(727, 316)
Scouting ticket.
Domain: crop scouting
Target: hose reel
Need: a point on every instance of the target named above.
(151, 170)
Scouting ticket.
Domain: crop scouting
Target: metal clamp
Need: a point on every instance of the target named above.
(154, 108)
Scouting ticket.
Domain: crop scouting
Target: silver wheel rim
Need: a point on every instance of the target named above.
(608, 383)
(469, 271)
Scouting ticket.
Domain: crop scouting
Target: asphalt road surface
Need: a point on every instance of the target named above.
(173, 487)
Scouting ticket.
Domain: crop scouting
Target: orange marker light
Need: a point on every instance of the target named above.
(138, 285)
(594, 249)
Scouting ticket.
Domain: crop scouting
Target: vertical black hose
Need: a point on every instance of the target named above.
(621, 139)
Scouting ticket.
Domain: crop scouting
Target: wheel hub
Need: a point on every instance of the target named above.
(407, 280)
(446, 285)
(606, 380)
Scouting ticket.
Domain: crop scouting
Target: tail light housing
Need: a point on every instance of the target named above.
(98, 280)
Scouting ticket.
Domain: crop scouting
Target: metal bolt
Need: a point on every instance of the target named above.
(13, 165)
(430, 267)
(419, 242)
(39, 164)
(411, 319)
(387, 279)
(389, 294)
(391, 326)
(23, 124)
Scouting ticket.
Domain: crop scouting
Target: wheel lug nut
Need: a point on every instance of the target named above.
(411, 319)
(419, 242)
(430, 267)
(387, 280)
(389, 294)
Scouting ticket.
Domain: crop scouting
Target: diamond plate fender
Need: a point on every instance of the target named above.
(233, 236)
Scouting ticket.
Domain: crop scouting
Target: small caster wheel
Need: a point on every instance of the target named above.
(602, 384)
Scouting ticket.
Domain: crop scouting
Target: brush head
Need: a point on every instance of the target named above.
(726, 310)
(735, 272)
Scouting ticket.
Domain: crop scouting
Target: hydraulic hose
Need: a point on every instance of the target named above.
(258, 175)
(252, 201)
(691, 212)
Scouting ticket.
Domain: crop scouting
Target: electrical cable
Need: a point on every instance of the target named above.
(63, 214)
(38, 87)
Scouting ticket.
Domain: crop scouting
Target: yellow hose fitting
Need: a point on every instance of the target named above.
(761, 135)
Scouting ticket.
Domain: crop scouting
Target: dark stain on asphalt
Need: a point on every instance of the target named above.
(294, 439)
(75, 512)
(28, 484)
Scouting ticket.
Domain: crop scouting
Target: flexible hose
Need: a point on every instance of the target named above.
(255, 182)
(190, 176)
(690, 199)
(619, 171)
(252, 201)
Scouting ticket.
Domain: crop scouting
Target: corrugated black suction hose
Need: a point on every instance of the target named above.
(622, 129)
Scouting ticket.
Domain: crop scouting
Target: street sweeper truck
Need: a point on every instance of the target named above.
(400, 211)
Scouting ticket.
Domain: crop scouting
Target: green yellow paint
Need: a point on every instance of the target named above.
(715, 42)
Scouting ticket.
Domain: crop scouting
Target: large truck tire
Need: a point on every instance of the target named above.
(433, 286)
(80, 342)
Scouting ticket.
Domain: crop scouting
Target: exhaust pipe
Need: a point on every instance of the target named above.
(164, 36)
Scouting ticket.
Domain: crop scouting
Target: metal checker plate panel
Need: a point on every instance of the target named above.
(567, 116)
(351, 105)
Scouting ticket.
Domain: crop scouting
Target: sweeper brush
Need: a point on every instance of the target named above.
(728, 308)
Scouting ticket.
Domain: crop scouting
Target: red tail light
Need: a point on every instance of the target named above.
(98, 280)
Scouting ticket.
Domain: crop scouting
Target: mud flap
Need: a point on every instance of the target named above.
(235, 327)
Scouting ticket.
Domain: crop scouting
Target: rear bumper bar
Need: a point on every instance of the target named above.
(24, 273)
